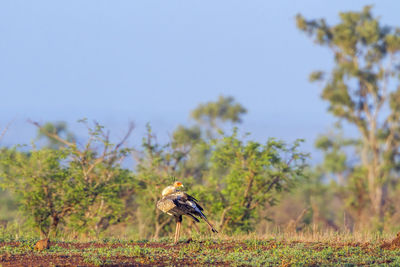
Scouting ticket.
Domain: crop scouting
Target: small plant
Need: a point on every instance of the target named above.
(93, 259)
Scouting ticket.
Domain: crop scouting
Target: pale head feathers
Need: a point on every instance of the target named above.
(171, 188)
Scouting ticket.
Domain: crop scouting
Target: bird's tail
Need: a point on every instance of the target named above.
(209, 224)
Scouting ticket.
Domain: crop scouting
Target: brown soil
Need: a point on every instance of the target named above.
(32, 257)
(43, 258)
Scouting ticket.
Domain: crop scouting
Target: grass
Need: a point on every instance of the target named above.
(286, 250)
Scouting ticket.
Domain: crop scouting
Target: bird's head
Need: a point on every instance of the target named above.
(177, 184)
(171, 188)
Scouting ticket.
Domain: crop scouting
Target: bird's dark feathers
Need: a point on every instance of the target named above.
(187, 197)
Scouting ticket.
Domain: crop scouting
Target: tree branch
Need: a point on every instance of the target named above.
(5, 129)
(130, 129)
(55, 136)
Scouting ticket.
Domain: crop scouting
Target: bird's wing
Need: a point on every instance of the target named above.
(180, 200)
(166, 204)
(187, 204)
(190, 198)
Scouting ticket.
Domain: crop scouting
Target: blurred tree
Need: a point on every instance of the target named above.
(190, 143)
(363, 90)
(44, 192)
(79, 187)
(7, 202)
(335, 159)
(210, 118)
(213, 114)
(245, 176)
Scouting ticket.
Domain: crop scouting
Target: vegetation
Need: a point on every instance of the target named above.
(68, 185)
(244, 251)
(84, 190)
(362, 90)
(244, 177)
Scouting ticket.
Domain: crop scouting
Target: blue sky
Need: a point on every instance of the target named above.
(154, 61)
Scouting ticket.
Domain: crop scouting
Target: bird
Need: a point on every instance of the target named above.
(177, 203)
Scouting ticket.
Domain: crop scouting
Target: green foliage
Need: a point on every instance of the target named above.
(223, 110)
(185, 137)
(191, 145)
(79, 188)
(336, 160)
(8, 207)
(192, 142)
(246, 176)
(40, 182)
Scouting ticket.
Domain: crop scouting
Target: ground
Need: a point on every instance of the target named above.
(217, 252)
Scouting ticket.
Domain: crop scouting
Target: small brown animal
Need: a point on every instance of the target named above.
(42, 244)
(394, 244)
(396, 241)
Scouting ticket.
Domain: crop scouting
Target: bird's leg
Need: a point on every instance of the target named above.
(176, 233)
(178, 228)
(179, 231)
